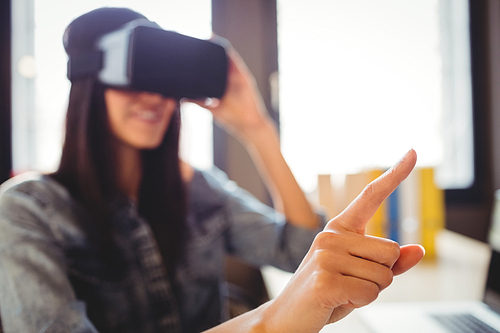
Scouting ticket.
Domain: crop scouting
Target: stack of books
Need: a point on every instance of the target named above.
(413, 213)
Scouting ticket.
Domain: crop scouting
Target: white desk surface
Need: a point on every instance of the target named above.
(458, 273)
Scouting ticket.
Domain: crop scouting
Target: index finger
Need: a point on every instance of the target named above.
(360, 210)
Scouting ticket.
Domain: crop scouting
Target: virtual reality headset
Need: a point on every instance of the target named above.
(142, 56)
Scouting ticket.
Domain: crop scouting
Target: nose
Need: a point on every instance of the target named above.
(150, 97)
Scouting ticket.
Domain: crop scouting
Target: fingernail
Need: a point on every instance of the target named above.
(423, 248)
(409, 152)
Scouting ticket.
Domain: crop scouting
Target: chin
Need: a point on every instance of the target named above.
(146, 142)
(149, 146)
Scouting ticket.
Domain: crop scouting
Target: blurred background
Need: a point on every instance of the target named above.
(352, 84)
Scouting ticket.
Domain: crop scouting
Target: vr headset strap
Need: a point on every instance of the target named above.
(88, 64)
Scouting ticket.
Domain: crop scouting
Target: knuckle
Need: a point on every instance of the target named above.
(371, 193)
(325, 260)
(323, 240)
(387, 278)
(392, 173)
(368, 190)
(320, 256)
(368, 293)
(372, 292)
(393, 250)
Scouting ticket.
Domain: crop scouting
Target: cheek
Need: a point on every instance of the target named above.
(157, 134)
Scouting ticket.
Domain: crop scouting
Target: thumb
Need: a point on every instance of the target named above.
(355, 217)
(409, 256)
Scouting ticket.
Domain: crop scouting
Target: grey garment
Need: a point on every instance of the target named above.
(53, 279)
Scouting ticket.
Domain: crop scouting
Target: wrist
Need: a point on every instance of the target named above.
(262, 321)
(264, 128)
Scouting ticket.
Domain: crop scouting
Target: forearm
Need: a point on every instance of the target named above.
(242, 112)
(262, 142)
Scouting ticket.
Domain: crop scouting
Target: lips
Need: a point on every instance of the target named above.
(148, 115)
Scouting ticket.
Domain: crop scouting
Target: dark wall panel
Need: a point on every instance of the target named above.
(5, 90)
(251, 27)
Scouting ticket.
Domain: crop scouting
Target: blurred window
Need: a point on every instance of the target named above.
(363, 81)
(40, 86)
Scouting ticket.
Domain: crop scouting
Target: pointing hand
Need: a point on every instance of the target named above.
(344, 268)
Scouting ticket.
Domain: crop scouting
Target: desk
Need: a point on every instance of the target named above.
(457, 273)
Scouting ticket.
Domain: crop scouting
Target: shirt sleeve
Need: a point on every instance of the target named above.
(256, 232)
(35, 293)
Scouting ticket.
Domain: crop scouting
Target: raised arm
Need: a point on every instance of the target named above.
(242, 113)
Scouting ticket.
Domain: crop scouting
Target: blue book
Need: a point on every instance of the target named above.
(393, 215)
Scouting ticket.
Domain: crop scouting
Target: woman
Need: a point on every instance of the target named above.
(124, 237)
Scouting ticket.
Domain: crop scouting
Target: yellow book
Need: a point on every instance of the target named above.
(432, 214)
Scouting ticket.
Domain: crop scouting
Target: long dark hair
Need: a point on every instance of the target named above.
(87, 167)
(87, 171)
